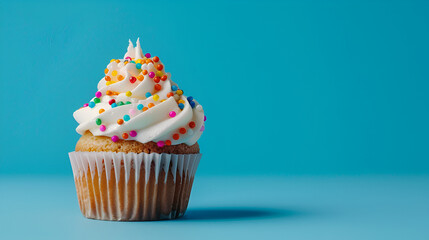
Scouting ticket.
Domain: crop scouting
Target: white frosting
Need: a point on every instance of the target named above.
(154, 124)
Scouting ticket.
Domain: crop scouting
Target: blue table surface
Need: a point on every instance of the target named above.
(293, 207)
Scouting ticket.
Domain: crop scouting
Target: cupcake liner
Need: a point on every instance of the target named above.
(131, 186)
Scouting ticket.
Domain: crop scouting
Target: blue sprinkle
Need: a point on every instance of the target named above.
(192, 104)
(190, 99)
(114, 105)
(138, 66)
(148, 94)
(140, 106)
(181, 106)
(132, 62)
(126, 118)
(174, 88)
(91, 104)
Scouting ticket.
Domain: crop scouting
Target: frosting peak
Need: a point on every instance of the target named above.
(137, 100)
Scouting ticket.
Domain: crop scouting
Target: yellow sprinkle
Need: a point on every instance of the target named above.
(156, 97)
(181, 101)
(159, 74)
(163, 100)
(125, 63)
(128, 94)
(108, 83)
(114, 73)
(138, 61)
(112, 60)
(179, 92)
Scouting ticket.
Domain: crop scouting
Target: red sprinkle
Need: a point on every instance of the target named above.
(111, 101)
(133, 79)
(192, 124)
(182, 130)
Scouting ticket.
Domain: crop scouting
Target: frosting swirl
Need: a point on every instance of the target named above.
(137, 100)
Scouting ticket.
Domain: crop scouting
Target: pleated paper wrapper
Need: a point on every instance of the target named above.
(131, 186)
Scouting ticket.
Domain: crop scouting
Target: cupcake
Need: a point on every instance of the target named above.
(138, 153)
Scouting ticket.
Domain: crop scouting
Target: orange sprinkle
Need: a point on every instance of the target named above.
(148, 61)
(159, 67)
(144, 109)
(120, 121)
(164, 77)
(101, 111)
(151, 105)
(107, 78)
(124, 135)
(140, 77)
(170, 94)
(144, 72)
(120, 77)
(108, 92)
(156, 59)
(106, 71)
(117, 61)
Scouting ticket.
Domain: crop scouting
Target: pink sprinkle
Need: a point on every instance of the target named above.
(115, 138)
(172, 114)
(98, 94)
(160, 144)
(133, 133)
(102, 128)
(202, 128)
(205, 118)
(132, 112)
(147, 55)
(151, 74)
(129, 58)
(85, 105)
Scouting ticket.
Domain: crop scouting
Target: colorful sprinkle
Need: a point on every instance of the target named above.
(128, 94)
(174, 88)
(172, 114)
(181, 105)
(107, 78)
(148, 94)
(147, 55)
(144, 72)
(158, 87)
(102, 128)
(151, 74)
(91, 104)
(98, 94)
(127, 118)
(98, 121)
(191, 124)
(133, 133)
(124, 135)
(120, 121)
(140, 77)
(202, 128)
(190, 98)
(192, 104)
(182, 130)
(151, 105)
(129, 58)
(115, 138)
(106, 71)
(156, 79)
(155, 59)
(181, 101)
(120, 77)
(159, 67)
(164, 77)
(85, 105)
(156, 97)
(176, 136)
(145, 109)
(170, 94)
(109, 83)
(96, 100)
(140, 106)
(138, 65)
(160, 144)
(133, 79)
(114, 73)
(108, 92)
(128, 102)
(159, 74)
(101, 111)
(112, 101)
(179, 92)
(113, 105)
(120, 103)
(205, 118)
(167, 142)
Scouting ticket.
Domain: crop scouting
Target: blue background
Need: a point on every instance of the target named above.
(293, 87)
(317, 114)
